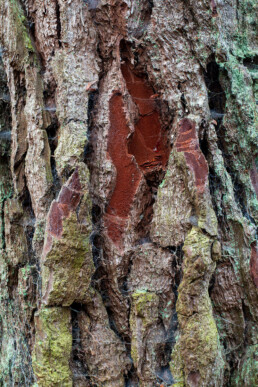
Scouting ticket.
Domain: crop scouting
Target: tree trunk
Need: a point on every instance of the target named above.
(128, 193)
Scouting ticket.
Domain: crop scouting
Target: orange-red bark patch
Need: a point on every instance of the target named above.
(148, 144)
(187, 142)
(128, 175)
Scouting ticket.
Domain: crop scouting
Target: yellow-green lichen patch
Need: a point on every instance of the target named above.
(199, 345)
(198, 267)
(52, 349)
(176, 366)
(19, 44)
(143, 302)
(144, 313)
(71, 144)
(68, 266)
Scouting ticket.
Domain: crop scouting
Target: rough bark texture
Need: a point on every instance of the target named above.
(128, 193)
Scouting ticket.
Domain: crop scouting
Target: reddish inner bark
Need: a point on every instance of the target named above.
(187, 142)
(68, 201)
(128, 175)
(147, 144)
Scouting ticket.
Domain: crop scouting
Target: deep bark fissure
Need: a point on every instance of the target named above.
(89, 159)
(58, 24)
(217, 104)
(251, 63)
(79, 368)
(30, 225)
(52, 132)
(5, 145)
(216, 94)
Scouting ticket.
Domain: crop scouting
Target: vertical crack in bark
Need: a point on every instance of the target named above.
(58, 24)
(217, 102)
(52, 133)
(216, 95)
(80, 371)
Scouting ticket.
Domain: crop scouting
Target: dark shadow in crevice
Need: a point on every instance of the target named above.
(204, 144)
(52, 133)
(217, 102)
(79, 369)
(58, 24)
(30, 225)
(96, 213)
(178, 253)
(240, 195)
(165, 377)
(131, 379)
(251, 63)
(5, 147)
(88, 149)
(216, 94)
(13, 272)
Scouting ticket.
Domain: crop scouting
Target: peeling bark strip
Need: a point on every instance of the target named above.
(67, 201)
(67, 245)
(188, 143)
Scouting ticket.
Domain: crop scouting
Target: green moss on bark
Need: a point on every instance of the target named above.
(199, 345)
(68, 266)
(53, 345)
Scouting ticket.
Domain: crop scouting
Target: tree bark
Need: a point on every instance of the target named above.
(128, 193)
